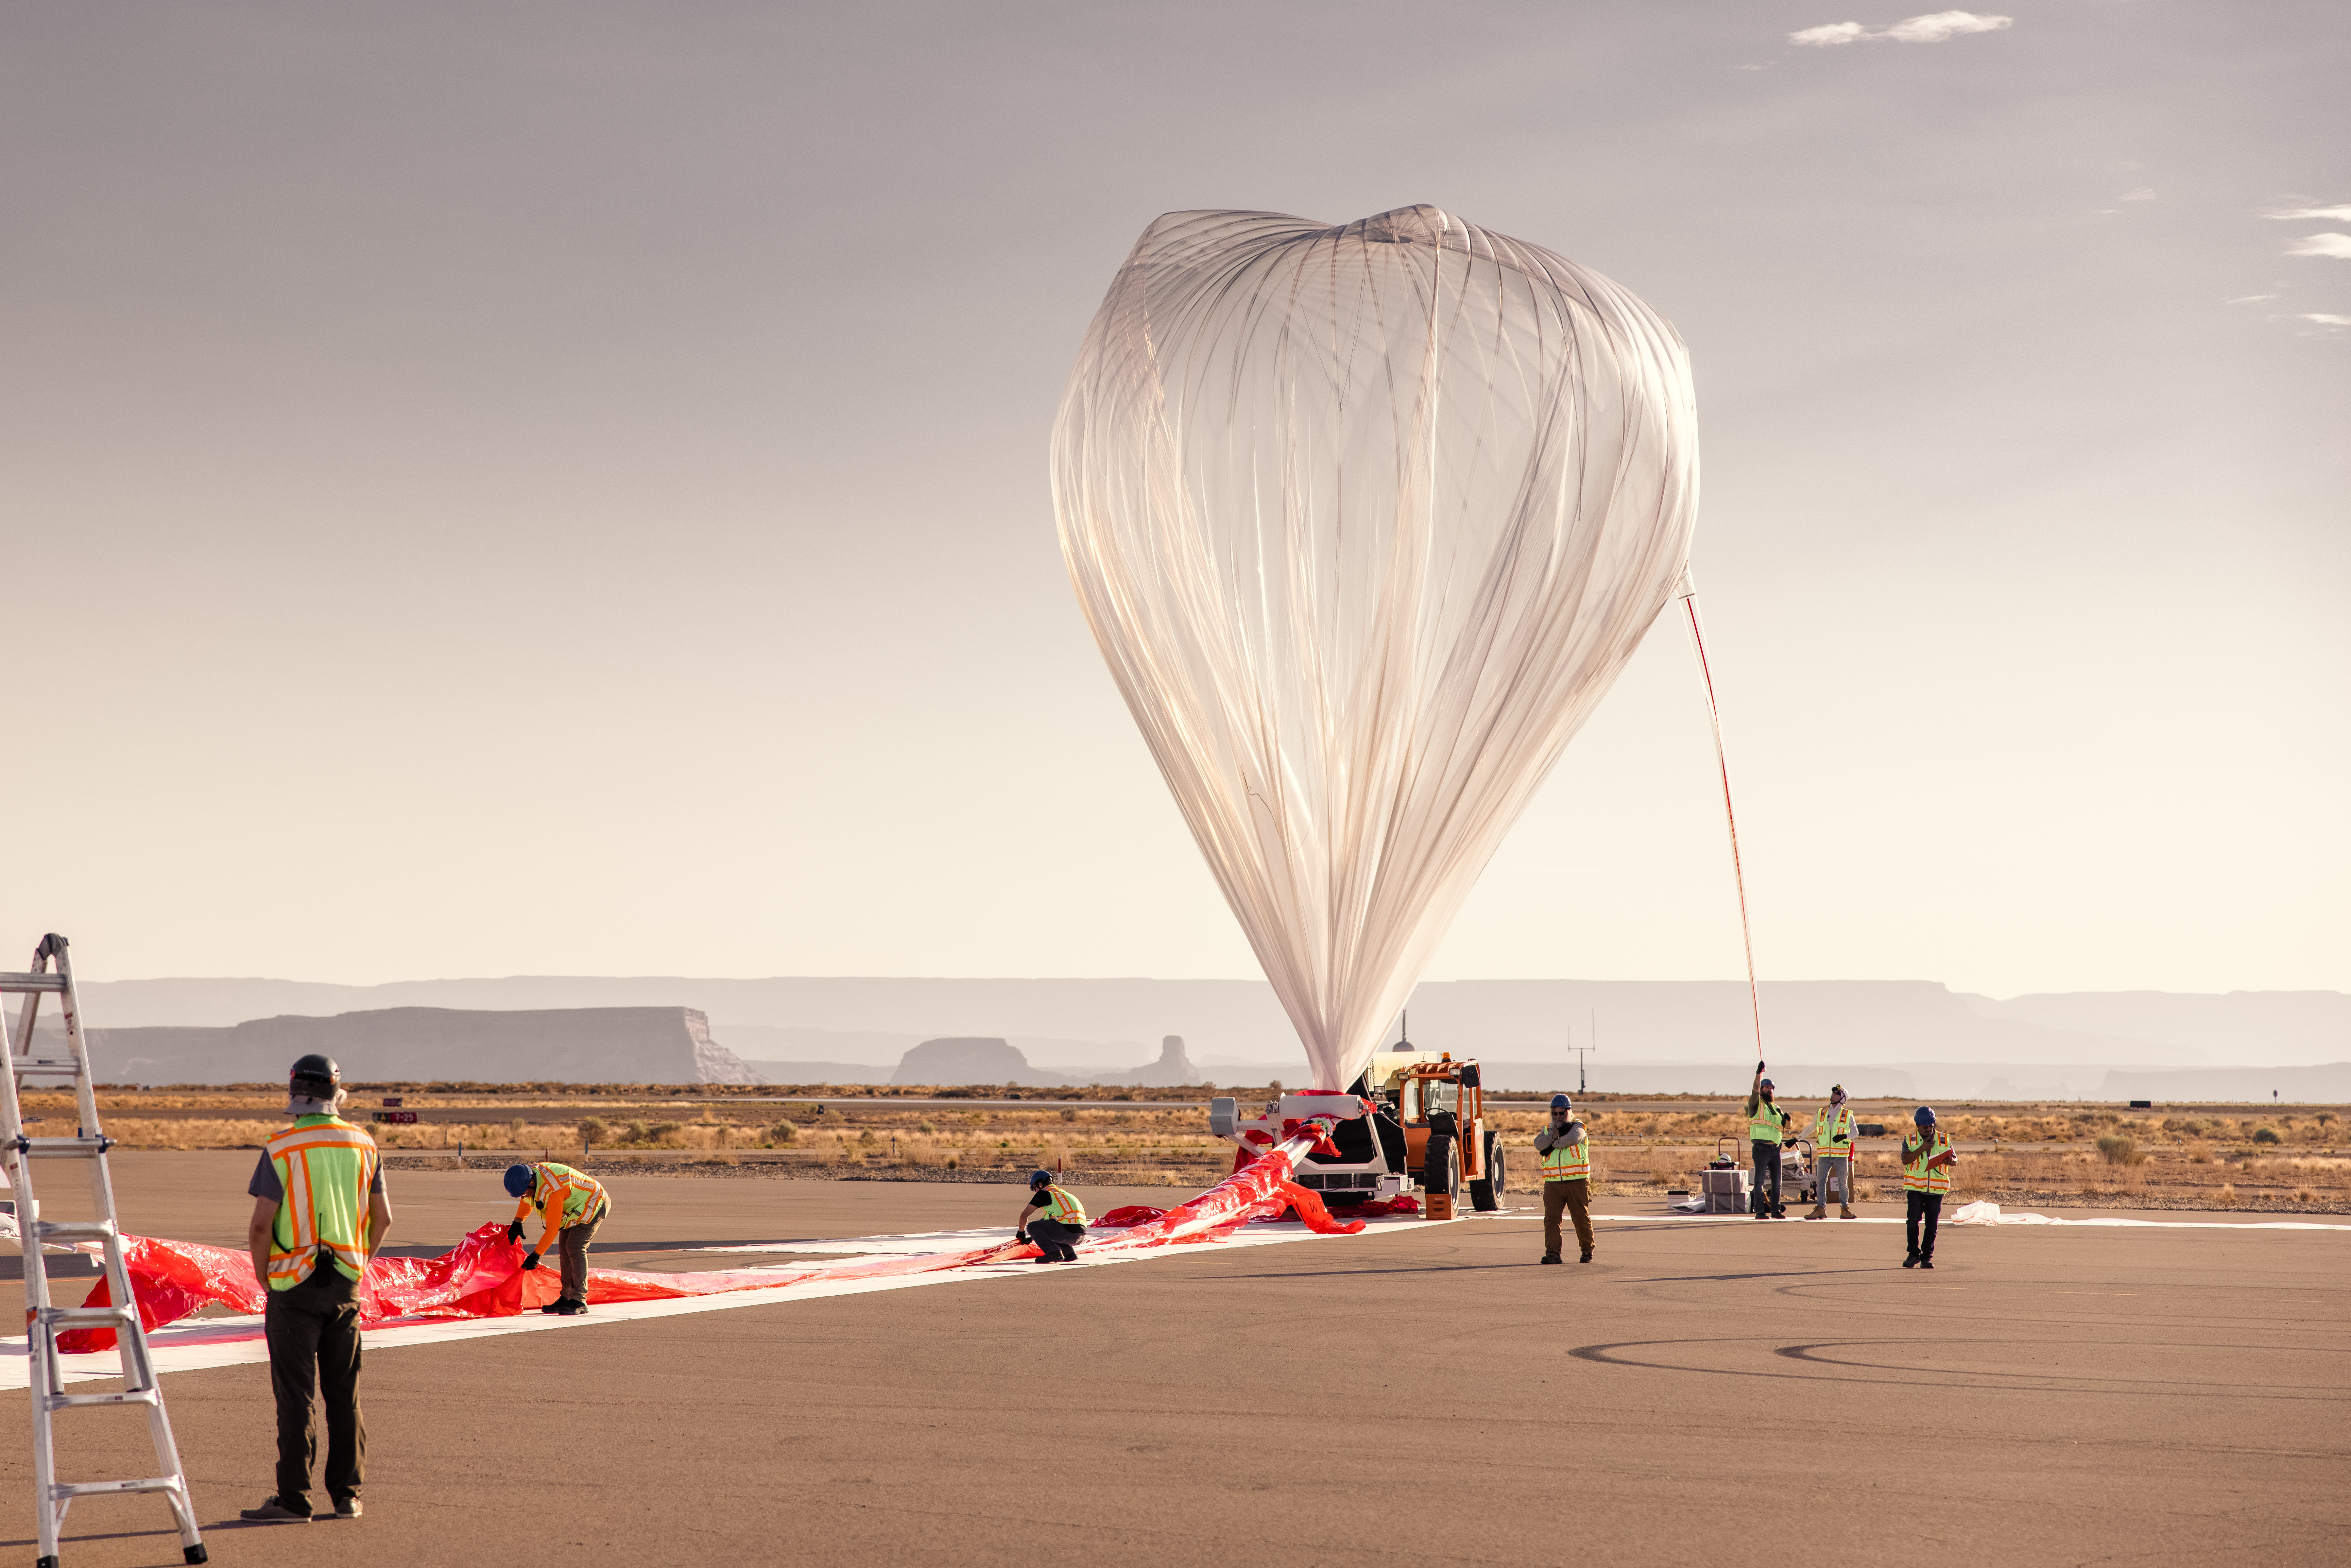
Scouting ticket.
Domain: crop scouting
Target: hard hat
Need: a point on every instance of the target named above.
(518, 1180)
(316, 1068)
(1040, 1178)
(1767, 1083)
(1562, 1102)
(1924, 1115)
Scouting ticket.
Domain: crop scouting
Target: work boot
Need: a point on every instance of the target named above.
(568, 1308)
(1925, 1262)
(271, 1511)
(1759, 1214)
(1911, 1261)
(1587, 1256)
(348, 1507)
(552, 1308)
(1845, 1211)
(1551, 1258)
(1820, 1211)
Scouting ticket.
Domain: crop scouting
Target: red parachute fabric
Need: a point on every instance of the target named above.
(483, 1276)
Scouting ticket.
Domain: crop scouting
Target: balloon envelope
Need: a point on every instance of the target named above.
(1365, 520)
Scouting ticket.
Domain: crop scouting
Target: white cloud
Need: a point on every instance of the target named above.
(2141, 194)
(2328, 320)
(1938, 25)
(2322, 214)
(2336, 246)
(2249, 298)
(1933, 27)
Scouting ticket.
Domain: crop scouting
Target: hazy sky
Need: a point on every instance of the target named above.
(561, 488)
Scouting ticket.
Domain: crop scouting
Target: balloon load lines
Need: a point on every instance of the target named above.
(483, 1276)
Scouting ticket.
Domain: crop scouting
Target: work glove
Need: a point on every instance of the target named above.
(1758, 1067)
(514, 1232)
(530, 1261)
(1020, 1235)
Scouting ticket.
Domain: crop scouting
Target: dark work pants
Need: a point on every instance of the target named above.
(1056, 1238)
(1573, 1198)
(1929, 1204)
(572, 1243)
(1767, 1163)
(313, 1330)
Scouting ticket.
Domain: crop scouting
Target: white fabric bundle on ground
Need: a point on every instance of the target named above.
(1365, 520)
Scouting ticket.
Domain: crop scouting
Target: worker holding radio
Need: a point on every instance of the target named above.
(1927, 1161)
(1566, 1151)
(1832, 1132)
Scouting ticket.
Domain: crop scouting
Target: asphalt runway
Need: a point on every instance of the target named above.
(1709, 1394)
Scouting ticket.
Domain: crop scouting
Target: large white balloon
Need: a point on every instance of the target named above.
(1365, 520)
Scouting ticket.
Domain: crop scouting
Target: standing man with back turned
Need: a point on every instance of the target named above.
(1767, 1127)
(318, 1217)
(1566, 1153)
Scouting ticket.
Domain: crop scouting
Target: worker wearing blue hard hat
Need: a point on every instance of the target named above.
(1927, 1161)
(1566, 1151)
(1767, 1131)
(1054, 1219)
(571, 1203)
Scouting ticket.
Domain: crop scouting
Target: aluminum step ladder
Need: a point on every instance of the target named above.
(44, 1322)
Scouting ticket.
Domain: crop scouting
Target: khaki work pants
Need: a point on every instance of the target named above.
(571, 1241)
(1575, 1197)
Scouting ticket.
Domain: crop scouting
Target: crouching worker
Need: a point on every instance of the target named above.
(1926, 1162)
(1058, 1228)
(1567, 1178)
(319, 1215)
(571, 1203)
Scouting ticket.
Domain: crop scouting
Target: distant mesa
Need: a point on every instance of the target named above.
(990, 1059)
(560, 1045)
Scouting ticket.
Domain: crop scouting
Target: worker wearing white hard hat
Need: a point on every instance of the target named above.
(1832, 1132)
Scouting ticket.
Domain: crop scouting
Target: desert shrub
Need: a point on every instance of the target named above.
(2303, 1195)
(924, 1127)
(2265, 1136)
(2118, 1150)
(591, 1131)
(784, 1133)
(866, 1136)
(1069, 1113)
(2228, 1194)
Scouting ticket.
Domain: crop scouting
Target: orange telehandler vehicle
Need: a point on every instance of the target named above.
(1414, 1118)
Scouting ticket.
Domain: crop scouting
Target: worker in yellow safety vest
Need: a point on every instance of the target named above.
(1832, 1132)
(1054, 1219)
(1566, 1151)
(571, 1203)
(1767, 1129)
(319, 1215)
(1927, 1161)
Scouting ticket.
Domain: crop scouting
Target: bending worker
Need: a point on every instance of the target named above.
(1566, 1153)
(1927, 1161)
(571, 1203)
(1832, 1132)
(1767, 1128)
(1058, 1228)
(318, 1217)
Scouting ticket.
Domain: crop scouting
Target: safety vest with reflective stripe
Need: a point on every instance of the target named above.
(564, 1198)
(325, 1166)
(1568, 1162)
(1766, 1121)
(1916, 1174)
(1060, 1206)
(1832, 1134)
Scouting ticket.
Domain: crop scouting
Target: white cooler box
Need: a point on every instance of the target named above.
(1726, 1191)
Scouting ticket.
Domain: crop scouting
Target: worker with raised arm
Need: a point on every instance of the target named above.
(1832, 1132)
(1926, 1162)
(1566, 1151)
(571, 1203)
(319, 1216)
(1767, 1128)
(1059, 1220)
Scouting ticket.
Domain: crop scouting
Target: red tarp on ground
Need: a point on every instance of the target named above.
(483, 1276)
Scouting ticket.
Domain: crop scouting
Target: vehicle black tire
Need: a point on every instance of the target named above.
(1486, 1195)
(1441, 1169)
